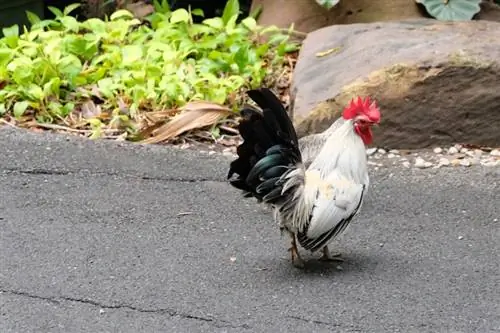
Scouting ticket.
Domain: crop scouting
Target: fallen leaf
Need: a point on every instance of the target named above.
(90, 110)
(329, 51)
(193, 115)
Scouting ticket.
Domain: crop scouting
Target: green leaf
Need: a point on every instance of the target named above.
(256, 12)
(179, 15)
(198, 12)
(32, 17)
(328, 4)
(11, 35)
(451, 10)
(70, 23)
(20, 108)
(52, 87)
(121, 13)
(12, 31)
(96, 25)
(34, 92)
(56, 11)
(162, 7)
(231, 9)
(70, 66)
(215, 23)
(131, 54)
(3, 109)
(71, 8)
(250, 23)
(231, 24)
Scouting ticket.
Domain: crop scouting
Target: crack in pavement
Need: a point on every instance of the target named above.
(219, 323)
(50, 172)
(319, 322)
(350, 328)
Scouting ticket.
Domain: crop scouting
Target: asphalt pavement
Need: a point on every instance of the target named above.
(116, 237)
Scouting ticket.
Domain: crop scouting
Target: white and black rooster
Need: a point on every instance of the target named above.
(315, 187)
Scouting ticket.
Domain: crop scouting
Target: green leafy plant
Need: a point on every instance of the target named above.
(115, 75)
(451, 10)
(328, 4)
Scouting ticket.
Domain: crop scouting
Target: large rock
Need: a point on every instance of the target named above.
(307, 15)
(437, 83)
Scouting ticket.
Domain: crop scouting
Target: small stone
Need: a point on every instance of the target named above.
(455, 162)
(211, 152)
(406, 164)
(458, 146)
(474, 161)
(394, 151)
(381, 151)
(438, 150)
(232, 259)
(465, 163)
(444, 161)
(460, 237)
(489, 163)
(452, 150)
(101, 311)
(371, 151)
(391, 155)
(495, 152)
(421, 163)
(464, 150)
(478, 152)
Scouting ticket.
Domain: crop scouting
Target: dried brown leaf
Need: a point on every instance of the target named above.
(194, 115)
(90, 110)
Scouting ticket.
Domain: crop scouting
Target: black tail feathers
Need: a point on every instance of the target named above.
(269, 150)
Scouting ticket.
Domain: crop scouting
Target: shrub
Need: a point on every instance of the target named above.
(106, 74)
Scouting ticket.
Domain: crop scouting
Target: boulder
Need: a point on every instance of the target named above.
(436, 82)
(307, 15)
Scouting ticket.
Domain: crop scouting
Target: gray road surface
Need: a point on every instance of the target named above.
(108, 237)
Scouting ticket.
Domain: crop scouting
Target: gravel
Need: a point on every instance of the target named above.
(437, 157)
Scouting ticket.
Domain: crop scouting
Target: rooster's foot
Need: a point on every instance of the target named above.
(327, 256)
(297, 261)
(294, 252)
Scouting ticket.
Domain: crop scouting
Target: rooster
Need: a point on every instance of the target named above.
(313, 198)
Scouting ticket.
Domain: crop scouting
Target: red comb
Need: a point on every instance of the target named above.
(359, 106)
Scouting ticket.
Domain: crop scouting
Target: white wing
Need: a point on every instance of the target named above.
(338, 201)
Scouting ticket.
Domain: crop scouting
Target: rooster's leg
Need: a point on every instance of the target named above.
(330, 257)
(296, 259)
